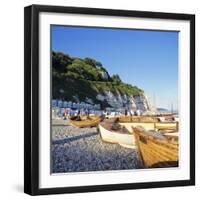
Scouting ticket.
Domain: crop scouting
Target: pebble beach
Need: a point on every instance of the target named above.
(82, 150)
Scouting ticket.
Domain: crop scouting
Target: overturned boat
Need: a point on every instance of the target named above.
(156, 149)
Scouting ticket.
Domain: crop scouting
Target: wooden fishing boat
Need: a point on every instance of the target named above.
(156, 150)
(119, 136)
(168, 118)
(125, 119)
(157, 126)
(85, 121)
(132, 119)
(166, 126)
(161, 118)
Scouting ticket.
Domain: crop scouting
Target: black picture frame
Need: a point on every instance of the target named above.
(31, 98)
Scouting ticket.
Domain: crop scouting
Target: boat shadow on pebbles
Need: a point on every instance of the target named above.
(82, 150)
(73, 138)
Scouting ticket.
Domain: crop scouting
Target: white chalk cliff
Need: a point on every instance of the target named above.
(124, 101)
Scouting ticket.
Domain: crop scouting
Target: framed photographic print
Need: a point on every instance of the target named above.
(109, 99)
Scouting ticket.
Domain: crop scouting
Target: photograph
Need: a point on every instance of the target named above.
(114, 99)
(109, 99)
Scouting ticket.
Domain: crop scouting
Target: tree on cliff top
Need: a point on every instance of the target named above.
(85, 78)
(116, 79)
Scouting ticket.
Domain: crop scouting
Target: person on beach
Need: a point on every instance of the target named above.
(126, 112)
(78, 115)
(87, 113)
(68, 113)
(65, 114)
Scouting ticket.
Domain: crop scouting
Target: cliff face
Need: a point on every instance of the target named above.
(116, 102)
(124, 101)
(86, 80)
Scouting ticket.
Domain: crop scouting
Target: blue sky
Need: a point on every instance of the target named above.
(147, 59)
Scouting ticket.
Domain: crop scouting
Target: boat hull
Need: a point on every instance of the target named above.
(155, 152)
(94, 121)
(123, 139)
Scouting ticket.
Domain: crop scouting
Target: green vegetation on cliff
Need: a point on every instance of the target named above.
(75, 79)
